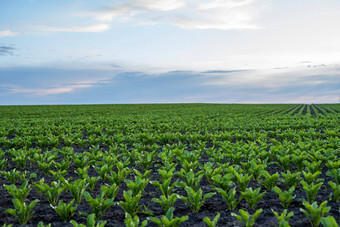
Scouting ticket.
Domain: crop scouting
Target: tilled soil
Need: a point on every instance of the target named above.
(297, 110)
(312, 112)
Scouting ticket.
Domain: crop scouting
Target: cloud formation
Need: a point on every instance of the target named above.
(47, 91)
(7, 33)
(57, 86)
(50, 81)
(93, 28)
(287, 85)
(59, 89)
(130, 9)
(6, 50)
(275, 78)
(218, 14)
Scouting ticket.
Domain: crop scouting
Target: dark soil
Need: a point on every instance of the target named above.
(285, 111)
(305, 110)
(297, 110)
(318, 109)
(312, 112)
(327, 110)
(335, 110)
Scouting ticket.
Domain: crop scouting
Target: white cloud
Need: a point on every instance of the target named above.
(276, 78)
(161, 5)
(218, 14)
(314, 99)
(94, 28)
(7, 33)
(225, 4)
(60, 89)
(129, 10)
(122, 12)
(48, 91)
(218, 19)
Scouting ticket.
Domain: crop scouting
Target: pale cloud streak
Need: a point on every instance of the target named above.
(276, 78)
(93, 28)
(48, 91)
(59, 89)
(225, 4)
(37, 29)
(7, 33)
(315, 99)
(220, 15)
(129, 10)
(162, 5)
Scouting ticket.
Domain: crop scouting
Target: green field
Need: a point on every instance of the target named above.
(139, 164)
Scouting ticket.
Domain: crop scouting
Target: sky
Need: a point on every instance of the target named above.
(169, 51)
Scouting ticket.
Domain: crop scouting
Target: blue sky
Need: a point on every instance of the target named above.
(145, 51)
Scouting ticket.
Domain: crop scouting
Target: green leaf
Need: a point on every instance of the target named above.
(329, 221)
(11, 211)
(212, 223)
(257, 214)
(157, 221)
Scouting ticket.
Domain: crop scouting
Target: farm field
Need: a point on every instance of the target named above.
(139, 164)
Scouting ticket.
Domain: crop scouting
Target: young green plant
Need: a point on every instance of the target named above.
(22, 212)
(315, 213)
(90, 221)
(133, 221)
(130, 205)
(65, 211)
(283, 218)
(228, 197)
(99, 204)
(168, 220)
(195, 199)
(286, 197)
(212, 223)
(245, 219)
(252, 196)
